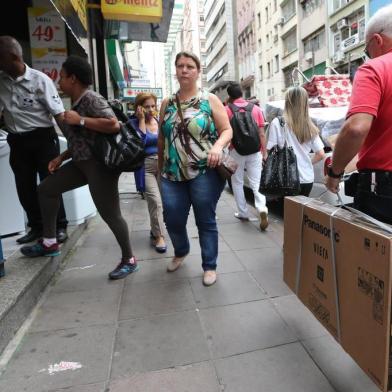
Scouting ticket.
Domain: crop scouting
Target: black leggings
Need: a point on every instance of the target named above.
(103, 185)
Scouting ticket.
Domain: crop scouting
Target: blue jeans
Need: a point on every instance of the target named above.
(202, 193)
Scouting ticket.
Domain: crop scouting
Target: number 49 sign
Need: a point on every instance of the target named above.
(47, 41)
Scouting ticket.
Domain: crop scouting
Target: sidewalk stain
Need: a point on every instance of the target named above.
(80, 268)
(61, 367)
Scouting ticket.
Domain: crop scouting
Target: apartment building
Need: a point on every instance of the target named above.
(220, 31)
(246, 43)
(193, 35)
(277, 47)
(346, 33)
(313, 47)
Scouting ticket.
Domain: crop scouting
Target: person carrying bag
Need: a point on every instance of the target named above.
(291, 138)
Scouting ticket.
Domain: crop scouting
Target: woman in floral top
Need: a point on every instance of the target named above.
(187, 158)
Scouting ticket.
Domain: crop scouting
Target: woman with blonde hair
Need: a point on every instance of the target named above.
(145, 121)
(301, 134)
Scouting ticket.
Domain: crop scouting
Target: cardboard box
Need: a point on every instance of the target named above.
(340, 268)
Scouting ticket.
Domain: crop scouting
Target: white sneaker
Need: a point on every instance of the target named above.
(263, 220)
(209, 278)
(241, 217)
(175, 264)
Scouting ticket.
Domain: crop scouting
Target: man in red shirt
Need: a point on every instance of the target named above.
(249, 140)
(368, 126)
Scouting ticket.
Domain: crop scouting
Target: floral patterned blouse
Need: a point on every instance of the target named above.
(80, 139)
(185, 155)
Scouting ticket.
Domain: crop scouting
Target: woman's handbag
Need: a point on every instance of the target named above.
(122, 151)
(228, 165)
(280, 176)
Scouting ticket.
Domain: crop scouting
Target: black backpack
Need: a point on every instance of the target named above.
(246, 139)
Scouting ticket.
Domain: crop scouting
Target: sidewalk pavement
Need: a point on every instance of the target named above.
(161, 332)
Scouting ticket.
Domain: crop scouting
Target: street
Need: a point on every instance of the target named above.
(162, 332)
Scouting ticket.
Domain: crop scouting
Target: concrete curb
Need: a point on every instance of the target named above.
(24, 282)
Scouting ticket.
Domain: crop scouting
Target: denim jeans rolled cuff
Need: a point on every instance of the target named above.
(202, 193)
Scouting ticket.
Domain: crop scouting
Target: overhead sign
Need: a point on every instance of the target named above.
(131, 92)
(148, 11)
(48, 41)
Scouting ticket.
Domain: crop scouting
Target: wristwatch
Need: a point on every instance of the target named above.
(331, 173)
(82, 121)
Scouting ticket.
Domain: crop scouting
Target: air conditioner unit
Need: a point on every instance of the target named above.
(308, 56)
(282, 20)
(348, 43)
(339, 57)
(342, 23)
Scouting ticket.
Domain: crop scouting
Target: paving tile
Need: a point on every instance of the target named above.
(246, 240)
(229, 289)
(236, 329)
(261, 259)
(86, 256)
(77, 309)
(340, 369)
(153, 298)
(83, 388)
(298, 317)
(192, 378)
(158, 342)
(151, 270)
(28, 370)
(271, 281)
(87, 278)
(279, 369)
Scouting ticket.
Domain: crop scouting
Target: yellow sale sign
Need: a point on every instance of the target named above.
(149, 11)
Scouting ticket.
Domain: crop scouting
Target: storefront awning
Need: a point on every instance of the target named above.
(137, 31)
(116, 62)
(74, 14)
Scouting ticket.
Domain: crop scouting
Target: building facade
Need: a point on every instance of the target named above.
(221, 48)
(313, 48)
(192, 34)
(346, 34)
(246, 43)
(277, 47)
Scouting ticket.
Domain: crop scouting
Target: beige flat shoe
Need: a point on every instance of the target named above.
(175, 264)
(263, 220)
(209, 278)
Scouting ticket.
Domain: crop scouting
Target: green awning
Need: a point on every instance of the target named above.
(115, 59)
(318, 69)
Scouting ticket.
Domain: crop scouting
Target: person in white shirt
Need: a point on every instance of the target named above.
(28, 102)
(301, 133)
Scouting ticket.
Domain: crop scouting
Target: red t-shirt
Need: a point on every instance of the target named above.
(372, 94)
(257, 113)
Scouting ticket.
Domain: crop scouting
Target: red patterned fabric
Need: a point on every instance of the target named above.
(331, 90)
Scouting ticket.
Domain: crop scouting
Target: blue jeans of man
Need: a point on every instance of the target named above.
(202, 193)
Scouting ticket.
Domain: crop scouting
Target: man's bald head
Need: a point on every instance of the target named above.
(10, 45)
(11, 56)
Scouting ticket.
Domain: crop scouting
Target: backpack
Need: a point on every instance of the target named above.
(246, 139)
(122, 151)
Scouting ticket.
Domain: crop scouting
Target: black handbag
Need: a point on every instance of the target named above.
(122, 151)
(280, 176)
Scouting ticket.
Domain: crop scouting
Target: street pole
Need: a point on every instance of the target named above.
(2, 270)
